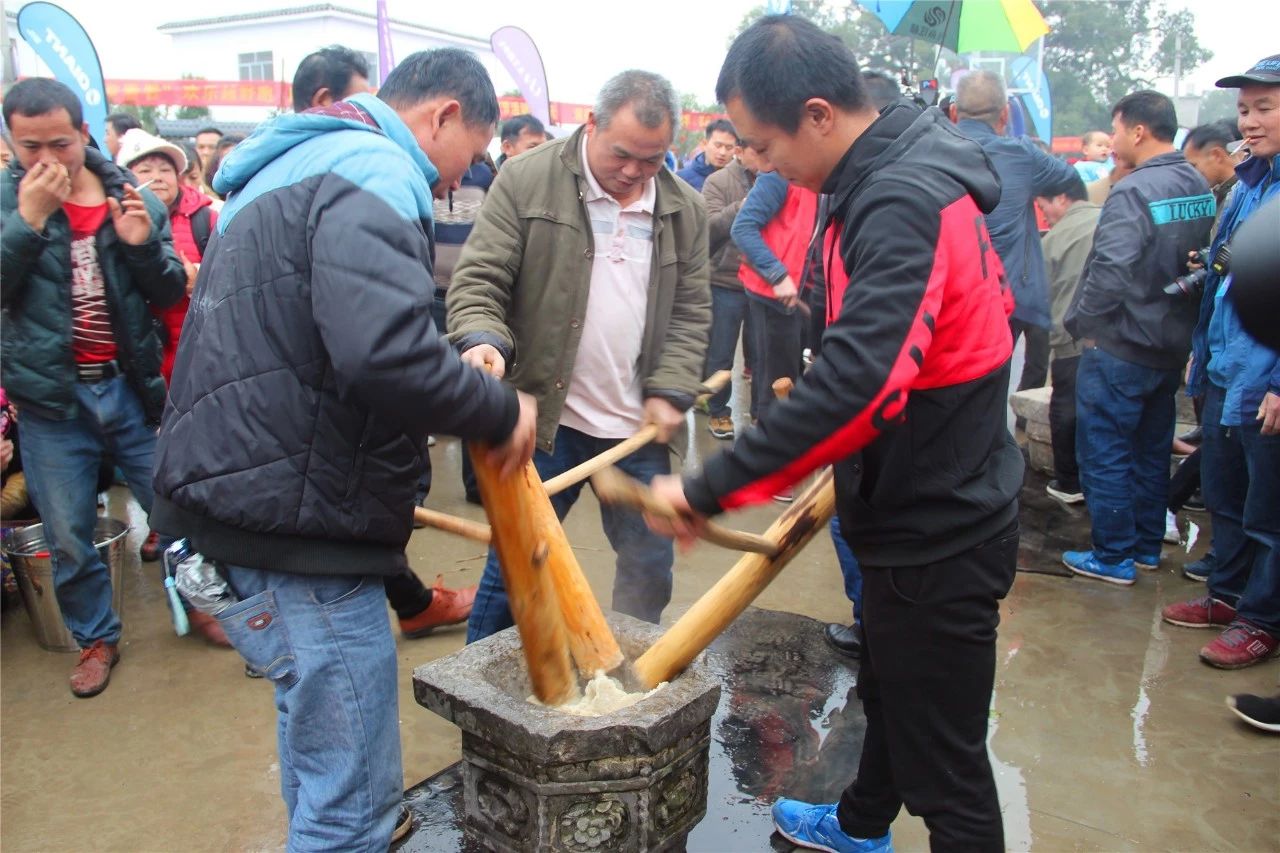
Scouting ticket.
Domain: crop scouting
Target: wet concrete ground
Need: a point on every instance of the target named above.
(1107, 732)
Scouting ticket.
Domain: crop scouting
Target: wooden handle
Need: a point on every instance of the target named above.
(463, 527)
(625, 448)
(723, 603)
(591, 641)
(523, 552)
(615, 487)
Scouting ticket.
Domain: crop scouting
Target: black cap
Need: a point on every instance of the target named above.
(1265, 71)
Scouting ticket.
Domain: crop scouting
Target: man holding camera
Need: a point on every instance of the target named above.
(1136, 337)
(1240, 380)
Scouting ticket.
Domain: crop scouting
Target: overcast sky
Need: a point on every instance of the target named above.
(583, 43)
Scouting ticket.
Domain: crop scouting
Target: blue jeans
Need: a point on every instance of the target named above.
(1124, 429)
(1240, 478)
(325, 642)
(849, 568)
(61, 459)
(642, 584)
(728, 312)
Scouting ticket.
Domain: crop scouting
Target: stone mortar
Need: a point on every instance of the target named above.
(539, 779)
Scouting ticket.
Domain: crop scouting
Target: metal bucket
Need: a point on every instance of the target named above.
(33, 566)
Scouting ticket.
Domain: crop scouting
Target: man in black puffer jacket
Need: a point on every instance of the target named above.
(307, 380)
(84, 253)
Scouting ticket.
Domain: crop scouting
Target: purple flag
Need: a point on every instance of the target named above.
(519, 55)
(386, 59)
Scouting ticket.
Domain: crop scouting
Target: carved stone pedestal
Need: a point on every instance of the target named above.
(538, 779)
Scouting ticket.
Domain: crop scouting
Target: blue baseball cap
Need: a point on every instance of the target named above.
(1265, 71)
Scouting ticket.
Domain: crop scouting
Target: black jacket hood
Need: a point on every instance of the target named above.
(906, 135)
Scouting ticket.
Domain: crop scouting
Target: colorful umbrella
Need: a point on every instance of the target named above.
(963, 26)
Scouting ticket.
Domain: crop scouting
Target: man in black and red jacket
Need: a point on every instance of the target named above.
(907, 400)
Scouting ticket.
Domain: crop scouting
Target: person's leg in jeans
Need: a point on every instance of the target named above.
(642, 583)
(850, 571)
(1152, 438)
(491, 612)
(124, 428)
(1035, 365)
(728, 308)
(1109, 404)
(1260, 602)
(60, 459)
(780, 336)
(930, 648)
(1062, 423)
(1224, 480)
(325, 643)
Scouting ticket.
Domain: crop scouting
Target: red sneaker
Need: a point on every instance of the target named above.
(1205, 612)
(447, 607)
(93, 673)
(1239, 646)
(150, 550)
(209, 628)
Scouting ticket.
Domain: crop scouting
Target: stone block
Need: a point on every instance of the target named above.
(1032, 404)
(1041, 454)
(537, 779)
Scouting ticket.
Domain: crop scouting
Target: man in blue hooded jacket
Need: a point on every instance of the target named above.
(308, 378)
(1240, 379)
(722, 142)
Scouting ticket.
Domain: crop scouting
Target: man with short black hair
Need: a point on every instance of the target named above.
(1210, 148)
(330, 74)
(1136, 338)
(85, 256)
(206, 141)
(917, 332)
(118, 124)
(981, 112)
(882, 89)
(520, 134)
(606, 325)
(307, 381)
(1072, 220)
(717, 151)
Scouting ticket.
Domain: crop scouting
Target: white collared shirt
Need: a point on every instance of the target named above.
(605, 396)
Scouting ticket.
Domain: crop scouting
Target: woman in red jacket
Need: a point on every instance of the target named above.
(191, 218)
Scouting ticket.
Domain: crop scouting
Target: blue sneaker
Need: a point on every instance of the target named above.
(1084, 563)
(817, 828)
(1201, 568)
(1147, 564)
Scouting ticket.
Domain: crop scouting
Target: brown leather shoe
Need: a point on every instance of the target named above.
(447, 607)
(206, 626)
(93, 673)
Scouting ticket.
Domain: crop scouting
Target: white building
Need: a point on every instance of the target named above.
(268, 45)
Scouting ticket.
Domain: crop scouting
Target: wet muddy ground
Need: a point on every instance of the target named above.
(1107, 733)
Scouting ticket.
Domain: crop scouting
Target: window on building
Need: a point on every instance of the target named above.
(257, 66)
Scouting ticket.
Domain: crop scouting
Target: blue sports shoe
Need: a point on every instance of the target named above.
(1084, 563)
(817, 828)
(1147, 564)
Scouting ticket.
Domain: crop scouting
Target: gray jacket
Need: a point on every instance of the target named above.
(724, 192)
(1066, 248)
(1151, 220)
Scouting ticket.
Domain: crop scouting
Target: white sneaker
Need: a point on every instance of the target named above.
(1172, 534)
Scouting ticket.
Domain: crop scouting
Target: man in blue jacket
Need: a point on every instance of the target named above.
(1136, 339)
(1240, 380)
(722, 142)
(85, 255)
(308, 378)
(981, 112)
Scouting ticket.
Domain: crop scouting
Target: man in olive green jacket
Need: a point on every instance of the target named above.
(585, 282)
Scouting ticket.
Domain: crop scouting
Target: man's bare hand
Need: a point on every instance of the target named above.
(666, 417)
(6, 453)
(518, 449)
(787, 292)
(486, 356)
(192, 270)
(131, 221)
(1269, 414)
(41, 192)
(669, 488)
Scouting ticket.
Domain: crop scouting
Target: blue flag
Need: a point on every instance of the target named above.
(63, 45)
